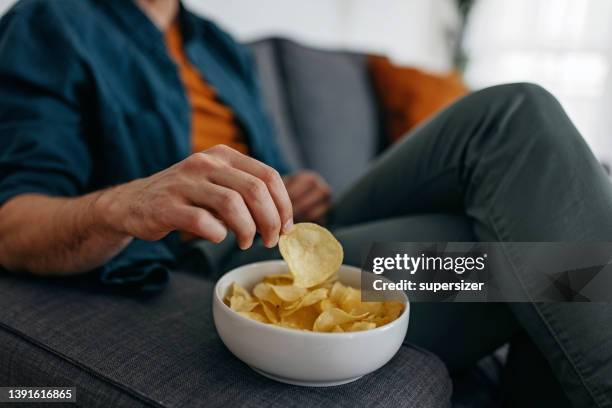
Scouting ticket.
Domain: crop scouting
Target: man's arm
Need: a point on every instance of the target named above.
(44, 234)
(205, 195)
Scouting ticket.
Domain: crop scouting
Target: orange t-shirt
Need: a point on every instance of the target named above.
(212, 122)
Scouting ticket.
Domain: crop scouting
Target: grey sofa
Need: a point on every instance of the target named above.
(134, 349)
(323, 107)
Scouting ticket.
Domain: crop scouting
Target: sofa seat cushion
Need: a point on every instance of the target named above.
(162, 350)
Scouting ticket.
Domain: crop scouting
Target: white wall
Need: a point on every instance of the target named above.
(413, 32)
(5, 4)
(564, 45)
(416, 32)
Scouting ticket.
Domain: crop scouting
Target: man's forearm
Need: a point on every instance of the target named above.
(60, 236)
(206, 195)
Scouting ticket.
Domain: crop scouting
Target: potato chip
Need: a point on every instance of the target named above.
(389, 312)
(310, 299)
(279, 279)
(393, 309)
(256, 313)
(263, 291)
(351, 303)
(302, 319)
(371, 308)
(288, 293)
(332, 317)
(270, 311)
(337, 329)
(238, 290)
(254, 316)
(351, 299)
(240, 304)
(327, 284)
(362, 326)
(239, 299)
(312, 253)
(336, 294)
(326, 304)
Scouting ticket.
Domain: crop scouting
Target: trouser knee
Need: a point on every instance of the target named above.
(528, 111)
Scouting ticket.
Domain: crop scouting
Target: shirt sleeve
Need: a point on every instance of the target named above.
(44, 88)
(42, 82)
(142, 265)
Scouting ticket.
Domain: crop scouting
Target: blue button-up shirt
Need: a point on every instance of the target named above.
(90, 98)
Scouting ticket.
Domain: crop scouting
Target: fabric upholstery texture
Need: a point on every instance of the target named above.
(265, 57)
(162, 350)
(332, 108)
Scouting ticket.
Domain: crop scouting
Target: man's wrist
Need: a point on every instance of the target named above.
(107, 214)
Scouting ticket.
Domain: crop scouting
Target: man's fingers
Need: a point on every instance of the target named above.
(258, 199)
(306, 190)
(309, 194)
(289, 181)
(265, 173)
(300, 185)
(317, 213)
(199, 222)
(310, 200)
(228, 206)
(314, 213)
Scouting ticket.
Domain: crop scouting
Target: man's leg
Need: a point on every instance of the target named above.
(510, 159)
(476, 329)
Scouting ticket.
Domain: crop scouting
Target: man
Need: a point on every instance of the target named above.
(110, 115)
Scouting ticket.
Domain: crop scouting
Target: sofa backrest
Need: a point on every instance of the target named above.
(323, 108)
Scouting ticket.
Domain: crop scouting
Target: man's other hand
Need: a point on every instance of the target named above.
(205, 195)
(310, 196)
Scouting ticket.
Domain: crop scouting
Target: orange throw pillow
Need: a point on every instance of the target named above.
(409, 96)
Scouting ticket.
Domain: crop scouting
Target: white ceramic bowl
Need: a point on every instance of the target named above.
(301, 357)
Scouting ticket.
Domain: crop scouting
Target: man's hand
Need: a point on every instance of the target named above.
(310, 196)
(205, 194)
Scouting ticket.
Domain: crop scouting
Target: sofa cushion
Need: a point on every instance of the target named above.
(162, 350)
(273, 92)
(332, 108)
(409, 96)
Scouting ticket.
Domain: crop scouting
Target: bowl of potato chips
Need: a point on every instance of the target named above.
(301, 320)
